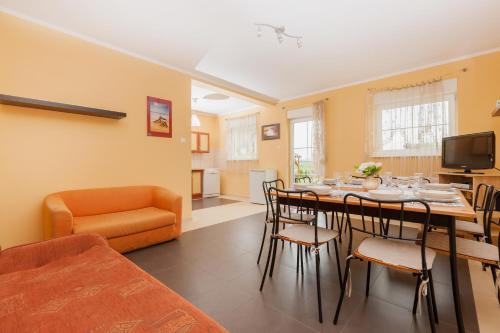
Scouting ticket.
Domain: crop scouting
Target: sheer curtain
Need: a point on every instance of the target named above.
(405, 127)
(241, 138)
(318, 138)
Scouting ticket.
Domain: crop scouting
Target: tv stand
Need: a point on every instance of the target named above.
(467, 172)
(472, 179)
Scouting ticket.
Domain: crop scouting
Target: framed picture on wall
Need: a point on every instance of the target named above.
(159, 117)
(271, 132)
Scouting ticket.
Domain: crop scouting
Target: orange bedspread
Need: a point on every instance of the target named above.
(89, 290)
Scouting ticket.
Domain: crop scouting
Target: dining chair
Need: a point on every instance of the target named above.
(303, 179)
(392, 246)
(308, 180)
(482, 199)
(295, 214)
(266, 185)
(484, 252)
(308, 236)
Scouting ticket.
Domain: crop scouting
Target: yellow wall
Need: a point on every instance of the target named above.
(478, 89)
(45, 151)
(272, 154)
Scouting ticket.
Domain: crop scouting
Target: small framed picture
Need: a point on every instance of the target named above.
(159, 117)
(271, 132)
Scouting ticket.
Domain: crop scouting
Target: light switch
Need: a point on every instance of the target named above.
(183, 140)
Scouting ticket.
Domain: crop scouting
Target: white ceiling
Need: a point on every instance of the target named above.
(218, 107)
(344, 41)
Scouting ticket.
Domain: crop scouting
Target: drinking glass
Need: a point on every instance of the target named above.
(387, 178)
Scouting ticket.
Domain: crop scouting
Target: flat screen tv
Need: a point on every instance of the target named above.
(468, 152)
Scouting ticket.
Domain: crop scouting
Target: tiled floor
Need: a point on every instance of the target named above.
(211, 202)
(215, 268)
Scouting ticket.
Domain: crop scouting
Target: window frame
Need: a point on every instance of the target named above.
(378, 131)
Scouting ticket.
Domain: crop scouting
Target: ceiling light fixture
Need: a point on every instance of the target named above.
(280, 33)
(216, 97)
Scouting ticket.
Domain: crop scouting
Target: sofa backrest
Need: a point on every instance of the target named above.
(107, 200)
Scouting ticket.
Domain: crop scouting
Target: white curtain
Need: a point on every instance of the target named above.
(405, 127)
(241, 138)
(318, 138)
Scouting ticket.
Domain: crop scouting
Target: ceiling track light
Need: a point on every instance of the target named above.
(280, 33)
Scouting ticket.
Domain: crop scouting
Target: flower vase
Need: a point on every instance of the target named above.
(371, 183)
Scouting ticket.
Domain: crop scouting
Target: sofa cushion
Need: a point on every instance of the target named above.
(124, 223)
(107, 200)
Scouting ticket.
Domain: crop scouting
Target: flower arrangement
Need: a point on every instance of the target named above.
(369, 169)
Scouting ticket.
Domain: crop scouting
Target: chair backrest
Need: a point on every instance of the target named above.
(494, 205)
(482, 197)
(266, 185)
(303, 179)
(374, 210)
(286, 201)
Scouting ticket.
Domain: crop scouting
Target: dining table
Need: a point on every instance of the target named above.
(443, 215)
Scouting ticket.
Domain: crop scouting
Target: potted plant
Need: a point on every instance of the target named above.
(370, 170)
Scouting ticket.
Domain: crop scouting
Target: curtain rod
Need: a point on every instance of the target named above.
(320, 100)
(418, 84)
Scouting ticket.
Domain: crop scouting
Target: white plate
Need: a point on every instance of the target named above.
(320, 189)
(455, 199)
(357, 181)
(329, 181)
(438, 186)
(301, 186)
(437, 195)
(385, 194)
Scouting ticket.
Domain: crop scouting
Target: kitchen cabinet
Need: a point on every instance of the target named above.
(197, 183)
(200, 142)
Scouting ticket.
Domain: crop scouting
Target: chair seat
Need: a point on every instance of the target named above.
(399, 254)
(296, 218)
(124, 223)
(304, 234)
(469, 227)
(466, 248)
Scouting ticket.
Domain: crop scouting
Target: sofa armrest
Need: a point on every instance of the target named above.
(168, 200)
(41, 253)
(58, 218)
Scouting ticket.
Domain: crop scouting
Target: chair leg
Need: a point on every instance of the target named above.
(318, 288)
(431, 312)
(337, 256)
(262, 243)
(415, 299)
(433, 297)
(273, 259)
(342, 290)
(271, 243)
(494, 274)
(298, 258)
(367, 292)
(302, 249)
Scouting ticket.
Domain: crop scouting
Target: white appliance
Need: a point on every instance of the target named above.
(211, 183)
(257, 176)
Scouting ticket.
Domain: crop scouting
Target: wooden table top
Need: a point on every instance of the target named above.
(462, 211)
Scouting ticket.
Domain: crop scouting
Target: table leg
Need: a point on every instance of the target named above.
(454, 274)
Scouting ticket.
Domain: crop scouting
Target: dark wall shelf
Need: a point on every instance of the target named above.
(61, 107)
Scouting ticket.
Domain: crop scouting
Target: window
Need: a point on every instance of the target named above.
(413, 126)
(302, 147)
(241, 138)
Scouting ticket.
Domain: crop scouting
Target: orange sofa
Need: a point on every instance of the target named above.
(79, 284)
(128, 217)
